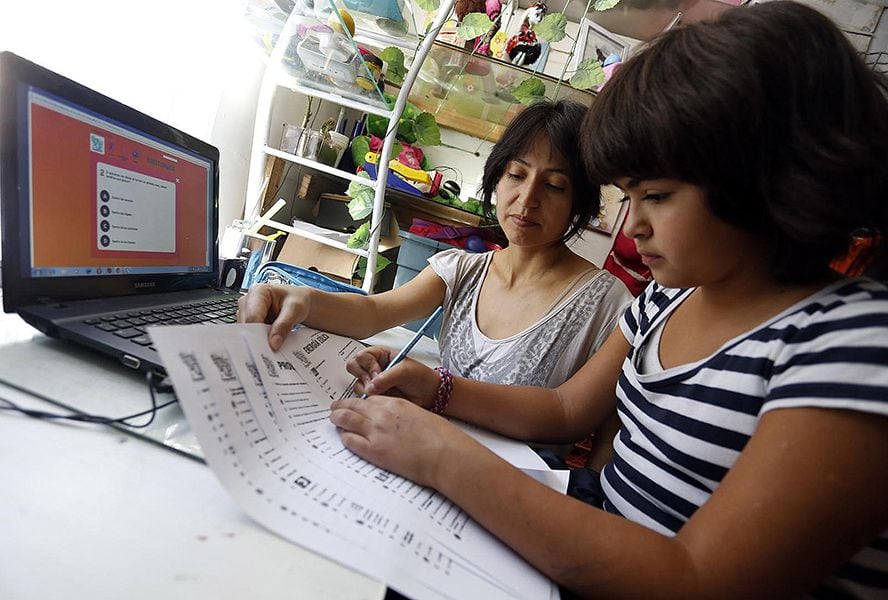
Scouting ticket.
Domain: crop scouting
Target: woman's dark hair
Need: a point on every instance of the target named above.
(560, 122)
(770, 110)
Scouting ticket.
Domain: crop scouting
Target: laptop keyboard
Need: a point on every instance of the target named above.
(131, 325)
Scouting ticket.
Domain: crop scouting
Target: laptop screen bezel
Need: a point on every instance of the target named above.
(19, 289)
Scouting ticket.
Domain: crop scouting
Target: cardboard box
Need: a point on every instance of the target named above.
(339, 264)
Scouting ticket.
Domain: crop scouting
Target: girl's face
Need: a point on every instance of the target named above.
(679, 238)
(534, 196)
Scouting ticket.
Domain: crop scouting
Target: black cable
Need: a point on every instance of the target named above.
(87, 418)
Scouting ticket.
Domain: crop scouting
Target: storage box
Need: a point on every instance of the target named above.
(413, 257)
(414, 253)
(339, 264)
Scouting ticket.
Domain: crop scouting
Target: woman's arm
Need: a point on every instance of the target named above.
(563, 414)
(352, 315)
(807, 492)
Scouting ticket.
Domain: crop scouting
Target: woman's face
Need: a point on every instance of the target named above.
(534, 196)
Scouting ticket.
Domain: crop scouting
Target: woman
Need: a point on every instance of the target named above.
(532, 313)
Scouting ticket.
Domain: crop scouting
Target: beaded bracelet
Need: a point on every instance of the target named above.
(445, 390)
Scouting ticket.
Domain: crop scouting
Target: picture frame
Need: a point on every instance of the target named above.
(610, 215)
(592, 38)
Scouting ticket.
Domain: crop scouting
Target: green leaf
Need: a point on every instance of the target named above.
(605, 4)
(360, 237)
(362, 196)
(551, 28)
(360, 207)
(360, 146)
(406, 130)
(428, 5)
(377, 125)
(426, 128)
(473, 206)
(529, 91)
(381, 263)
(589, 74)
(396, 70)
(473, 25)
(410, 111)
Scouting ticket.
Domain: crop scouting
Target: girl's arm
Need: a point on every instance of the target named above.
(563, 414)
(352, 315)
(808, 490)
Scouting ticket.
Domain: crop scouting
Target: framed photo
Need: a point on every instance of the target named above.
(611, 212)
(594, 41)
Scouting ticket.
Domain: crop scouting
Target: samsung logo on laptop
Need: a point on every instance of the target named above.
(144, 284)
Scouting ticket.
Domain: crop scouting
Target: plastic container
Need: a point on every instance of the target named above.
(332, 147)
(412, 258)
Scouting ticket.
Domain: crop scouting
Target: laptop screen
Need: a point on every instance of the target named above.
(106, 200)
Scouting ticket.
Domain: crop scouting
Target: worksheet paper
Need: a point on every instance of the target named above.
(262, 420)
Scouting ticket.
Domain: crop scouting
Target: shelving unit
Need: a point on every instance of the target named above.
(279, 75)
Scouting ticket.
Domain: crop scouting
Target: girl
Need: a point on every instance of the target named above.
(568, 306)
(751, 381)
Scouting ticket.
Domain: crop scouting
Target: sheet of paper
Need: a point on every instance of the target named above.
(516, 453)
(262, 421)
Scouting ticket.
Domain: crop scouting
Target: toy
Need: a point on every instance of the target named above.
(498, 45)
(524, 48)
(427, 182)
(483, 44)
(465, 7)
(492, 9)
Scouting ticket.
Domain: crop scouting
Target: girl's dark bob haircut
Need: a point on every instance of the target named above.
(771, 111)
(560, 122)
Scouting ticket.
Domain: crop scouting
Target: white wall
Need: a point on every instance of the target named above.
(189, 63)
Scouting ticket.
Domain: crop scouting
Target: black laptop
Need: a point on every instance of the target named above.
(109, 217)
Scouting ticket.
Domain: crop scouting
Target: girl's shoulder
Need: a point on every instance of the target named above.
(848, 305)
(656, 299)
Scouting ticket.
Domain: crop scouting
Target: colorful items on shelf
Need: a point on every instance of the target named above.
(410, 155)
(411, 180)
(473, 239)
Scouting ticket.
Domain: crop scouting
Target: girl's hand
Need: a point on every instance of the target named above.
(284, 306)
(408, 379)
(396, 435)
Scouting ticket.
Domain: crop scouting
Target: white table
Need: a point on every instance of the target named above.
(89, 511)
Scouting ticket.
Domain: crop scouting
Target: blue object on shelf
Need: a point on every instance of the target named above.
(412, 258)
(611, 59)
(387, 9)
(285, 273)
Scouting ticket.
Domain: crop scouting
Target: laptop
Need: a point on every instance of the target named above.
(109, 217)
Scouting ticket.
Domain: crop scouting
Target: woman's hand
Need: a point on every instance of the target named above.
(408, 379)
(284, 306)
(396, 435)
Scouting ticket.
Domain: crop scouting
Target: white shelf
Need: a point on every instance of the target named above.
(327, 237)
(277, 76)
(340, 97)
(319, 166)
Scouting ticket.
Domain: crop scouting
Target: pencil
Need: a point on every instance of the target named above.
(419, 333)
